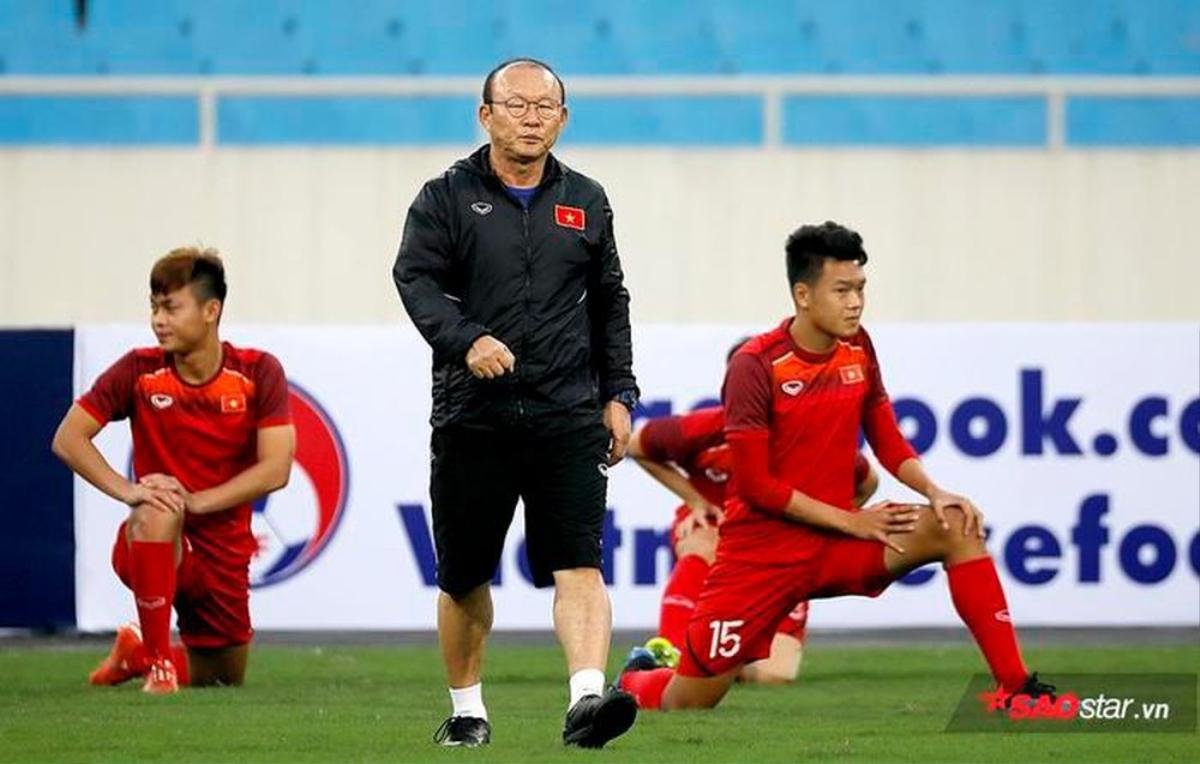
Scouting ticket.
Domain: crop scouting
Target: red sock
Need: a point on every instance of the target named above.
(180, 660)
(679, 597)
(647, 687)
(979, 599)
(153, 579)
(140, 659)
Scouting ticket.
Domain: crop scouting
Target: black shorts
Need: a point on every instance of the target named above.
(478, 475)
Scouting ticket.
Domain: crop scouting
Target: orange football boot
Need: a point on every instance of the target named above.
(124, 662)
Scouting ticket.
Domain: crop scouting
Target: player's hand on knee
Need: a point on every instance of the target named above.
(155, 498)
(489, 358)
(880, 521)
(972, 518)
(973, 521)
(170, 484)
(701, 541)
(704, 514)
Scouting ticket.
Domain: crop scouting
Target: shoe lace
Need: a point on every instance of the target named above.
(1035, 686)
(452, 726)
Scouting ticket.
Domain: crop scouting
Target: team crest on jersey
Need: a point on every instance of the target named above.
(294, 525)
(852, 374)
(161, 401)
(481, 208)
(792, 387)
(233, 404)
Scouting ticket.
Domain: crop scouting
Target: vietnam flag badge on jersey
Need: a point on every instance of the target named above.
(852, 374)
(233, 404)
(570, 217)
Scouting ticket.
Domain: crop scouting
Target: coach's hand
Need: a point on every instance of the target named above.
(489, 358)
(972, 518)
(159, 498)
(880, 521)
(619, 425)
(166, 483)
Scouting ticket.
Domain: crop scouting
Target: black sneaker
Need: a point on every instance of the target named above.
(467, 731)
(1034, 689)
(596, 719)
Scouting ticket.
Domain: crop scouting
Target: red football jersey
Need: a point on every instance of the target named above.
(696, 443)
(809, 409)
(202, 435)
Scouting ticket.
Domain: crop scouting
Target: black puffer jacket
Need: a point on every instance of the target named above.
(545, 281)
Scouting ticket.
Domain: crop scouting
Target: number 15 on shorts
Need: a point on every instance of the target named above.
(725, 640)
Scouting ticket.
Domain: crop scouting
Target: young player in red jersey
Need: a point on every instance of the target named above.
(795, 401)
(688, 454)
(211, 433)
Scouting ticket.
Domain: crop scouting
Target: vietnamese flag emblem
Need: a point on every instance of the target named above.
(570, 217)
(233, 404)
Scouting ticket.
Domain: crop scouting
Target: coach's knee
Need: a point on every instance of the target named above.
(147, 523)
(573, 581)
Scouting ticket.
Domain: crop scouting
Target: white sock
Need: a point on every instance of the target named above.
(468, 701)
(586, 682)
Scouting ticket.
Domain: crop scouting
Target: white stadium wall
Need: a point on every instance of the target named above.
(310, 234)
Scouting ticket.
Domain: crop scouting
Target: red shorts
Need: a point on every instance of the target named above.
(212, 602)
(794, 624)
(743, 603)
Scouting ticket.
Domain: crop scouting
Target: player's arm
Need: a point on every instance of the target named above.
(760, 489)
(912, 473)
(661, 445)
(670, 476)
(899, 458)
(73, 445)
(270, 472)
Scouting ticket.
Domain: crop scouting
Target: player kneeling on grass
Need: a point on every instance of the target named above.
(688, 454)
(795, 401)
(211, 433)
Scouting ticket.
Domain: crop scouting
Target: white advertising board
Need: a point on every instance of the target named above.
(1081, 442)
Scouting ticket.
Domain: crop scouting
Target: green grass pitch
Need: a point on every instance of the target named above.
(363, 704)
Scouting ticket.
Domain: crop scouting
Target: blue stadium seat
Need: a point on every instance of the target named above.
(664, 37)
(606, 37)
(128, 37)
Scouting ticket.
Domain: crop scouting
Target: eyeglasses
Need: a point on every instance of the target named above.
(519, 107)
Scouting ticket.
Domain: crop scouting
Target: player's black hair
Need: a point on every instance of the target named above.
(809, 246)
(487, 82)
(200, 269)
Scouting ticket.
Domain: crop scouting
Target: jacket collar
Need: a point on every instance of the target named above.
(478, 164)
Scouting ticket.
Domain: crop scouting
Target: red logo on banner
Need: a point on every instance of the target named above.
(569, 217)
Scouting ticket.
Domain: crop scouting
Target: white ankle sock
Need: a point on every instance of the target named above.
(586, 682)
(468, 701)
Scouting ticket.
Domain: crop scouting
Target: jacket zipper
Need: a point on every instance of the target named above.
(525, 313)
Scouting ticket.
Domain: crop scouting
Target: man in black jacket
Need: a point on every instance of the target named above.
(508, 268)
